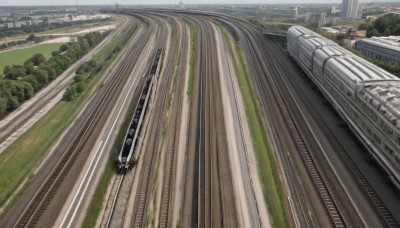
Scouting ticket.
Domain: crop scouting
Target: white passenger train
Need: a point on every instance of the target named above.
(365, 96)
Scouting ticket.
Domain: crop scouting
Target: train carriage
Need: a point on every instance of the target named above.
(364, 95)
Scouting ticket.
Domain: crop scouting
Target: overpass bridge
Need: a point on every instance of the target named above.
(270, 32)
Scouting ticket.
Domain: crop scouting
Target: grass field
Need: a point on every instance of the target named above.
(19, 56)
(266, 163)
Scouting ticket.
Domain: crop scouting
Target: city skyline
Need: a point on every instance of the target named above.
(169, 2)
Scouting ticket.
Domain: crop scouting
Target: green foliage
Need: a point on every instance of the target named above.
(22, 81)
(178, 224)
(388, 24)
(14, 72)
(80, 87)
(36, 59)
(69, 94)
(3, 106)
(31, 37)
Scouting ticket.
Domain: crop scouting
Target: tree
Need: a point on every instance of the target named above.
(37, 59)
(29, 67)
(31, 79)
(31, 37)
(6, 69)
(3, 106)
(80, 87)
(15, 72)
(12, 103)
(69, 93)
(51, 72)
(78, 78)
(41, 76)
(63, 48)
(28, 90)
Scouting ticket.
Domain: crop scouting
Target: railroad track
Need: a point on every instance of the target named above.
(326, 196)
(152, 147)
(118, 183)
(355, 171)
(309, 160)
(213, 204)
(48, 189)
(173, 134)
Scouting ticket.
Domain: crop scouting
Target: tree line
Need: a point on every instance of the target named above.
(31, 38)
(21, 82)
(85, 73)
(45, 26)
(387, 25)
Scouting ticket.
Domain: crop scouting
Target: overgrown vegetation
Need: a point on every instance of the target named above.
(193, 51)
(266, 164)
(388, 24)
(85, 72)
(21, 82)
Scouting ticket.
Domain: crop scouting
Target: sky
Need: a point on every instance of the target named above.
(141, 2)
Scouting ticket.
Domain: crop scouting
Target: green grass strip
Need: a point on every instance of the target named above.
(266, 163)
(193, 51)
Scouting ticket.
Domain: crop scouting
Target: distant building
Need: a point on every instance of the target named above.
(316, 19)
(385, 49)
(334, 20)
(330, 31)
(348, 43)
(358, 34)
(294, 12)
(349, 9)
(334, 10)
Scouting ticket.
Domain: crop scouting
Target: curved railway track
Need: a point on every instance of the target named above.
(118, 182)
(152, 147)
(173, 134)
(209, 199)
(313, 169)
(48, 189)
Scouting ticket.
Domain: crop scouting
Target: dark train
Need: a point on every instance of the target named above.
(127, 155)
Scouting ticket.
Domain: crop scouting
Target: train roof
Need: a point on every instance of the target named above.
(377, 86)
(360, 69)
(385, 97)
(332, 50)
